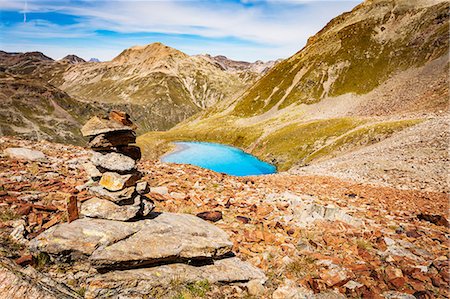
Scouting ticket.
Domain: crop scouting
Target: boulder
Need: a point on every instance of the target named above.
(22, 153)
(166, 237)
(105, 209)
(97, 125)
(116, 182)
(141, 282)
(113, 162)
(117, 197)
(112, 139)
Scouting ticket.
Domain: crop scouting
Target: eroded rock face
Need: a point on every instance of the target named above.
(20, 283)
(142, 281)
(115, 244)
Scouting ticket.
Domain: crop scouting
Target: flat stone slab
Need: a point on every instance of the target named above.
(168, 237)
(81, 237)
(140, 282)
(113, 162)
(105, 209)
(25, 154)
(97, 125)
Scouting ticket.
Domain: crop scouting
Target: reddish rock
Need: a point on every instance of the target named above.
(243, 219)
(72, 209)
(212, 216)
(25, 210)
(24, 260)
(435, 219)
(395, 277)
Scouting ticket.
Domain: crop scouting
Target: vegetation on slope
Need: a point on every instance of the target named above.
(355, 53)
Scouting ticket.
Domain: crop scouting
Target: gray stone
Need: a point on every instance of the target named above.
(105, 209)
(397, 295)
(147, 206)
(81, 237)
(142, 188)
(92, 171)
(167, 237)
(25, 154)
(160, 190)
(113, 162)
(141, 282)
(255, 287)
(117, 196)
(97, 125)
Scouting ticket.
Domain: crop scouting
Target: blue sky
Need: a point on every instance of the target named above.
(239, 29)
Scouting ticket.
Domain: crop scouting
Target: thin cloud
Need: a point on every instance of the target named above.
(283, 26)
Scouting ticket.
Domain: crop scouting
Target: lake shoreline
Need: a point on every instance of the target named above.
(217, 157)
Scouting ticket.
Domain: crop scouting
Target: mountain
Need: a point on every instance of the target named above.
(93, 59)
(158, 85)
(367, 75)
(72, 59)
(161, 85)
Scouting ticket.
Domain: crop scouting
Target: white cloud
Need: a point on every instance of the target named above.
(278, 26)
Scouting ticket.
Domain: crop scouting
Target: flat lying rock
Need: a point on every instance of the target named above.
(113, 162)
(81, 237)
(105, 209)
(168, 237)
(112, 139)
(25, 154)
(97, 125)
(116, 182)
(117, 196)
(140, 282)
(175, 237)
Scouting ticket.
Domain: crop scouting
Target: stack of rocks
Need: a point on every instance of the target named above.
(132, 259)
(112, 168)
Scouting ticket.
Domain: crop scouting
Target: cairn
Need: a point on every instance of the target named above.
(115, 178)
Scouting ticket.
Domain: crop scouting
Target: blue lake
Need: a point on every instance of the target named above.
(218, 157)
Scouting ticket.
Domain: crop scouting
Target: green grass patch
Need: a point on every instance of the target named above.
(293, 143)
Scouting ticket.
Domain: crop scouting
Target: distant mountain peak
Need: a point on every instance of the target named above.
(148, 54)
(72, 59)
(93, 59)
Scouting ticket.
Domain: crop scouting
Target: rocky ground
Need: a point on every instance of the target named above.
(415, 158)
(313, 236)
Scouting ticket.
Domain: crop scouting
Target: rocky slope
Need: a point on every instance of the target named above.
(369, 73)
(312, 236)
